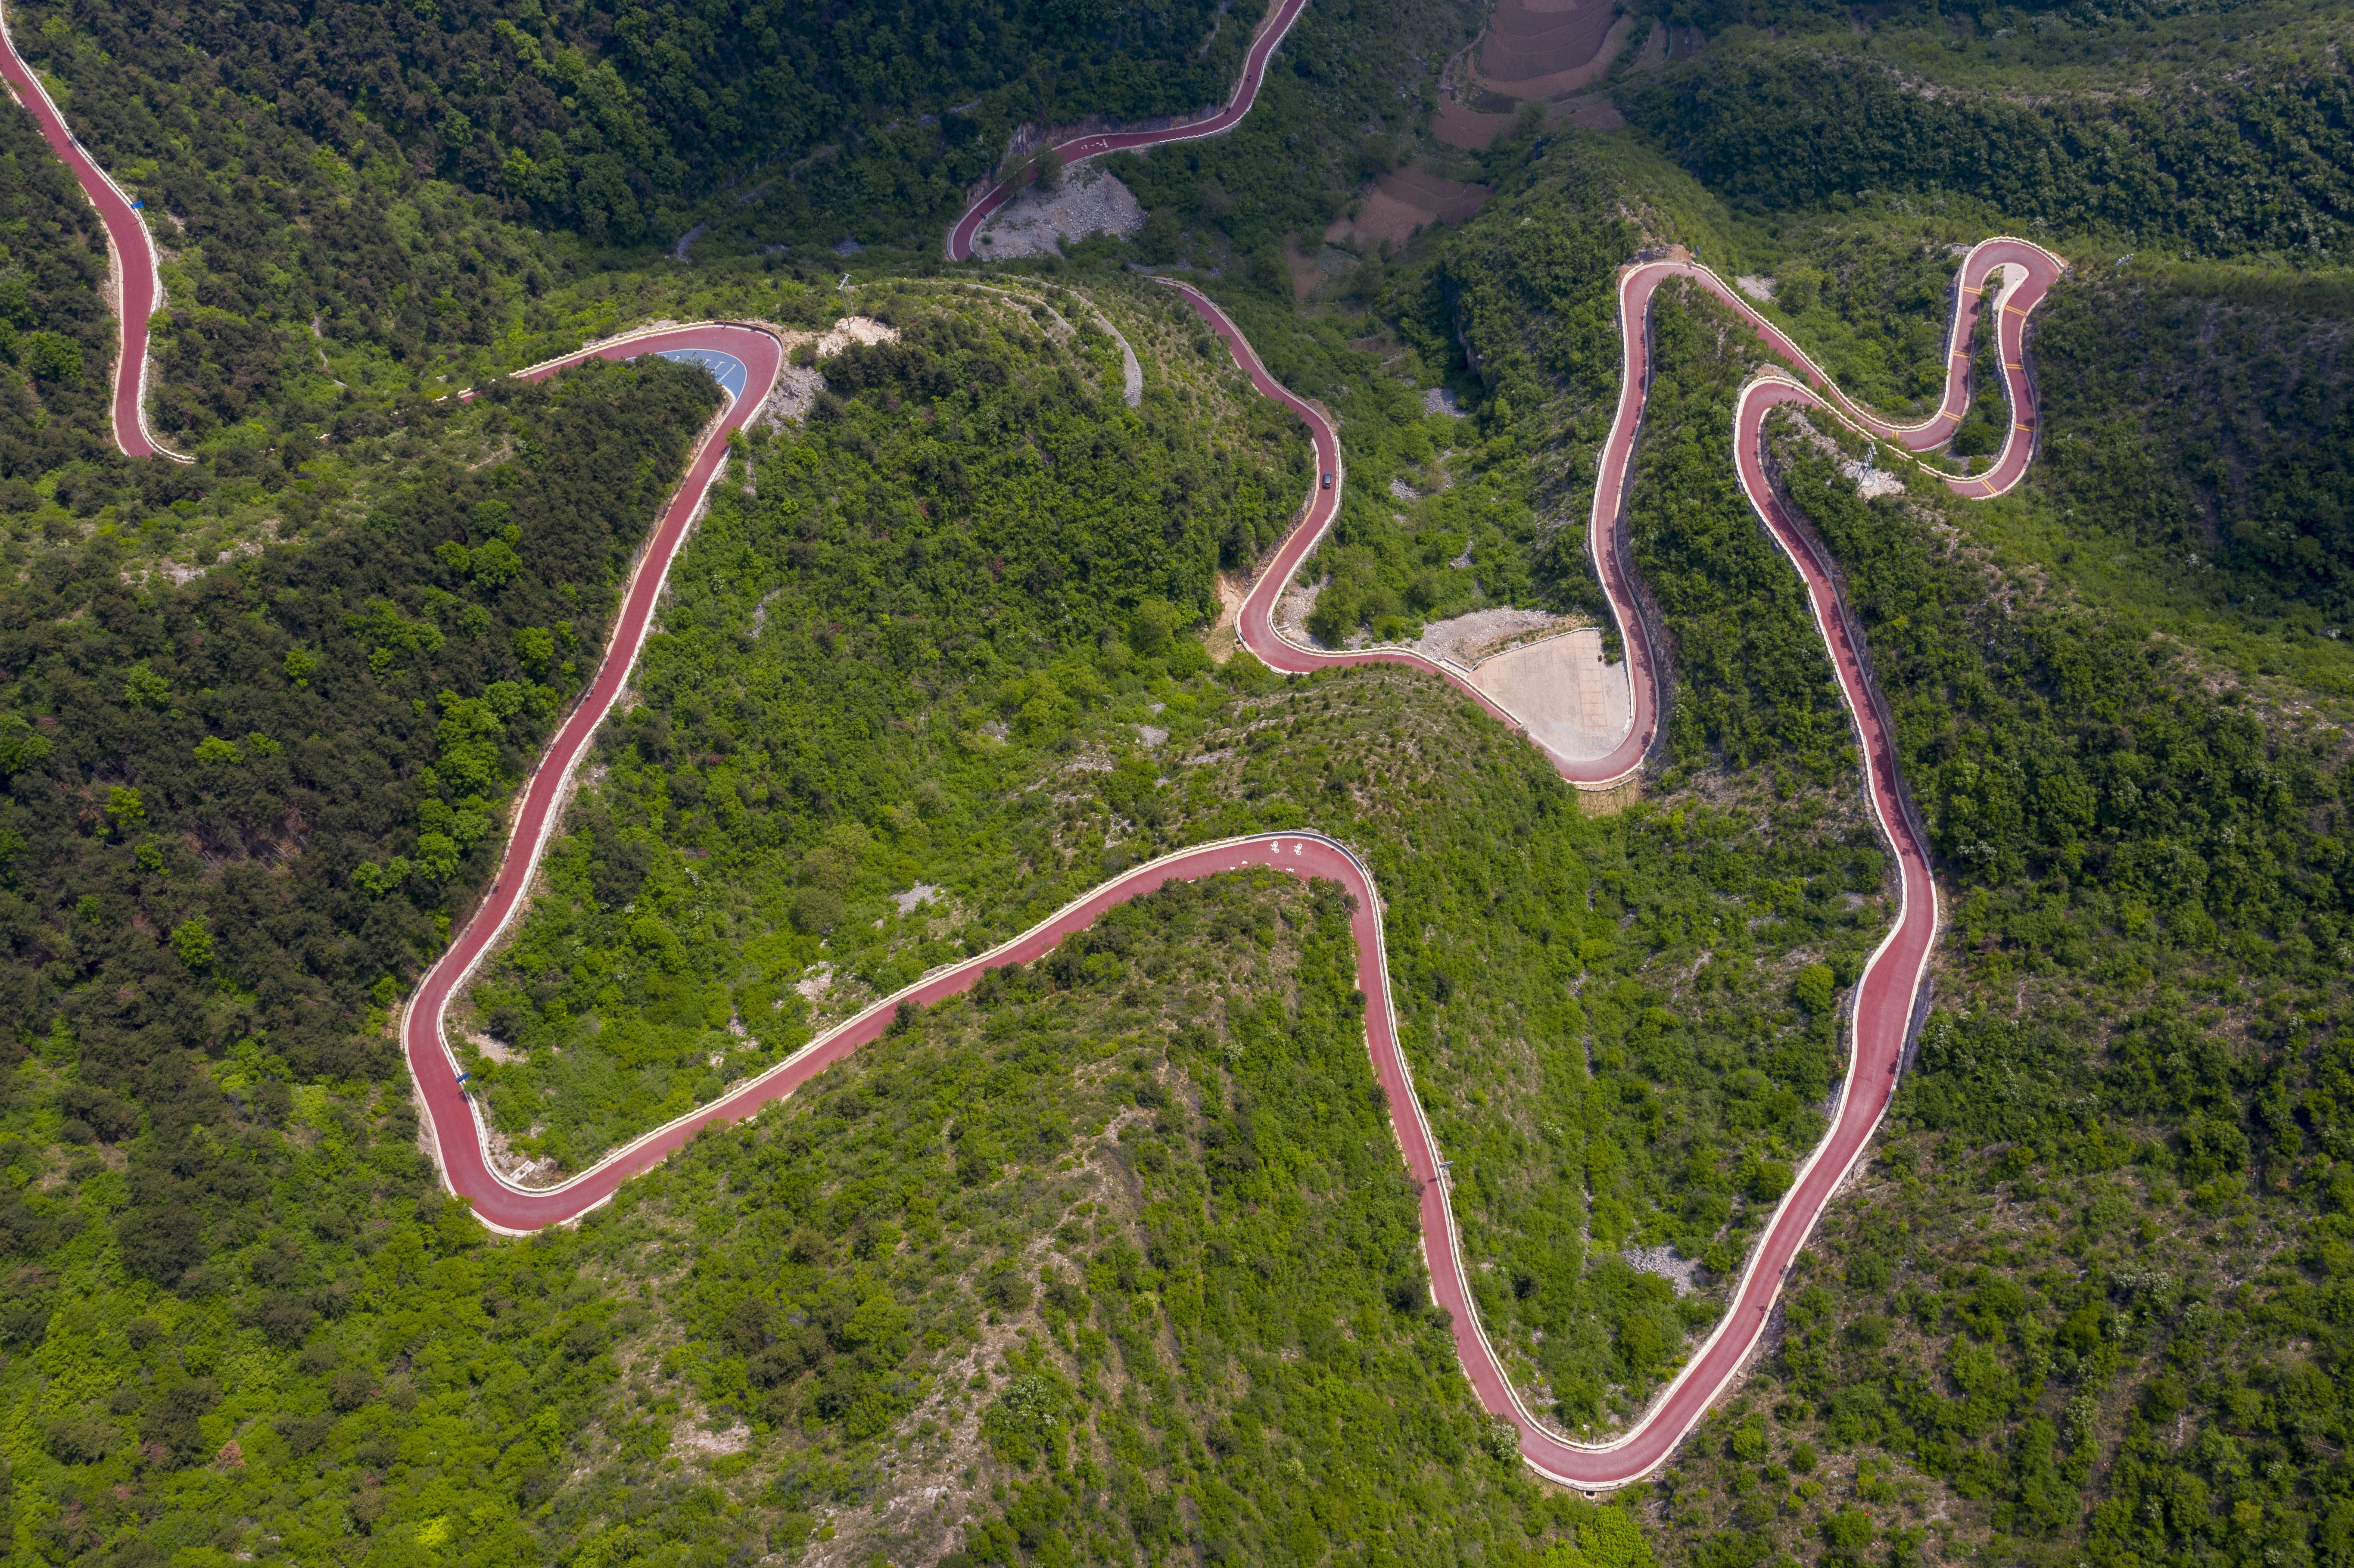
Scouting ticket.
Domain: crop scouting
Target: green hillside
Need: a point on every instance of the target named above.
(1108, 1262)
(2083, 1300)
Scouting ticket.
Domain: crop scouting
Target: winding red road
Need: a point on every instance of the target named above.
(2023, 272)
(1095, 142)
(1880, 1014)
(746, 358)
(2016, 275)
(139, 284)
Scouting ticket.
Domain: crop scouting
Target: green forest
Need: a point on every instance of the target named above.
(55, 333)
(304, 760)
(1111, 1260)
(616, 122)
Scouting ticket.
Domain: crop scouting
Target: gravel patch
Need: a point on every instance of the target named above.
(1089, 202)
(1663, 1262)
(789, 401)
(1468, 639)
(854, 329)
(1872, 483)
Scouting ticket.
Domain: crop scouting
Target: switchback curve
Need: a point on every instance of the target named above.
(1879, 1015)
(745, 360)
(2018, 274)
(2017, 271)
(1097, 143)
(138, 283)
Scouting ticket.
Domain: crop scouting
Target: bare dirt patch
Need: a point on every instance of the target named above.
(1291, 613)
(1547, 669)
(1305, 273)
(1872, 482)
(1089, 201)
(1537, 53)
(1380, 215)
(1474, 130)
(486, 1047)
(1404, 201)
(854, 329)
(1467, 639)
(688, 1436)
(1224, 637)
(1458, 127)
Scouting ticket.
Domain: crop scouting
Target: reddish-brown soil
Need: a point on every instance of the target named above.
(1468, 128)
(1406, 200)
(1472, 131)
(1448, 201)
(1305, 273)
(1532, 38)
(1569, 78)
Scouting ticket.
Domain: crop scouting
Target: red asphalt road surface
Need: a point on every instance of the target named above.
(1880, 1016)
(1255, 622)
(1884, 996)
(1606, 533)
(1262, 48)
(126, 237)
(457, 1140)
(1975, 282)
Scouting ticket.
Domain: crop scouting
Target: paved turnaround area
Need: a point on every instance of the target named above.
(2011, 274)
(2018, 274)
